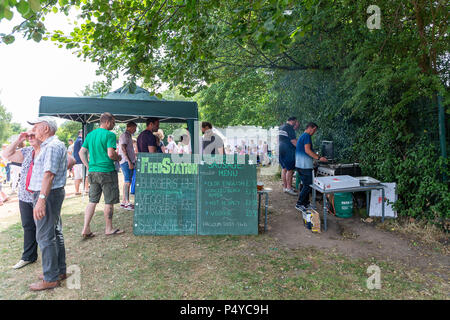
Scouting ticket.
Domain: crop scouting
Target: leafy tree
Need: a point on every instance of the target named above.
(5, 119)
(240, 99)
(98, 88)
(16, 128)
(68, 130)
(371, 90)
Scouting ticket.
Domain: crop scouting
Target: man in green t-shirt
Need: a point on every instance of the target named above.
(101, 145)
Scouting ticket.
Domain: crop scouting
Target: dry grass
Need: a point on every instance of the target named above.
(419, 232)
(203, 267)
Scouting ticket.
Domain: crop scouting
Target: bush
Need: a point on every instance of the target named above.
(418, 172)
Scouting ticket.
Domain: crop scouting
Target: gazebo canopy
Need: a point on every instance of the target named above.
(124, 105)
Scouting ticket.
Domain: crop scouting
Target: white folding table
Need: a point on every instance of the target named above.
(352, 189)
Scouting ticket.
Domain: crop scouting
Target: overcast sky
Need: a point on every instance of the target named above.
(29, 70)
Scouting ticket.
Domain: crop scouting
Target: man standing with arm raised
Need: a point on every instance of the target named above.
(48, 178)
(101, 145)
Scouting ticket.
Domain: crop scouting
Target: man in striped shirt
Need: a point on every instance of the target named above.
(47, 181)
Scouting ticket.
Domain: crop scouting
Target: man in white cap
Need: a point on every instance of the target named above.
(48, 178)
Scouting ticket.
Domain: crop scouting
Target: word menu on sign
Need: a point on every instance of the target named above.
(227, 199)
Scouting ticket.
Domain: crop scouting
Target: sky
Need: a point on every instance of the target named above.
(29, 70)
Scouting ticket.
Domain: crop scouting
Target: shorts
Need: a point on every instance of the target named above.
(287, 157)
(78, 171)
(106, 183)
(127, 172)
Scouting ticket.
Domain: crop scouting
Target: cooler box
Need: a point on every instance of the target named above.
(336, 182)
(343, 204)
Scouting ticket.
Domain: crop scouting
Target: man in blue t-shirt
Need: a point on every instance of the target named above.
(287, 142)
(304, 155)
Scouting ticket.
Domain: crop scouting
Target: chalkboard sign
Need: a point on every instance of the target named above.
(195, 196)
(165, 196)
(227, 198)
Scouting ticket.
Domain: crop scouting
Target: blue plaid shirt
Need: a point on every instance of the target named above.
(53, 158)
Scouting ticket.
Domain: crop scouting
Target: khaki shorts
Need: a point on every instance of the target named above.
(106, 182)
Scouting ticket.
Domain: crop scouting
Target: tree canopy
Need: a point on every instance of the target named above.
(372, 90)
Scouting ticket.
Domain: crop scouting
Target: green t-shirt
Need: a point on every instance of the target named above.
(98, 142)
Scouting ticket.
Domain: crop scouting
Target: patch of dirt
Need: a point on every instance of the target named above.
(350, 237)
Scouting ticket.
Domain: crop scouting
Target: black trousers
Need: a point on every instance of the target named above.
(306, 178)
(30, 245)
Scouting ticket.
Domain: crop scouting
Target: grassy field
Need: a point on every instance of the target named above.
(200, 267)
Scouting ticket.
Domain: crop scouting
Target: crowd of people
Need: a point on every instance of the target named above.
(43, 171)
(43, 165)
(297, 154)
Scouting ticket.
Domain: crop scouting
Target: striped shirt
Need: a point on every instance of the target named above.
(286, 133)
(53, 158)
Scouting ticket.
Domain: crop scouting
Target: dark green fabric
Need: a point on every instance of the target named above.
(125, 104)
(85, 109)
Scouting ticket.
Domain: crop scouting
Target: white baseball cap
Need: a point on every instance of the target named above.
(49, 120)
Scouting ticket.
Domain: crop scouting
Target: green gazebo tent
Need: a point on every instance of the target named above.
(126, 105)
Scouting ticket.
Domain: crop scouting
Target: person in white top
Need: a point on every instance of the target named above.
(70, 153)
(171, 145)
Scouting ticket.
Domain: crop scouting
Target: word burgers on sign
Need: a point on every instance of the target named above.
(194, 197)
(165, 196)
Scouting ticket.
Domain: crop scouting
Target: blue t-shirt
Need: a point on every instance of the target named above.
(302, 159)
(286, 133)
(76, 149)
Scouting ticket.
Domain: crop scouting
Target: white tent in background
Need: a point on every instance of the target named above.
(238, 135)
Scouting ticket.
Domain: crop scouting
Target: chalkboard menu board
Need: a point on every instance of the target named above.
(193, 196)
(165, 196)
(227, 200)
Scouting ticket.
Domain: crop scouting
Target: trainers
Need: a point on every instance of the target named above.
(21, 264)
(291, 192)
(128, 206)
(300, 207)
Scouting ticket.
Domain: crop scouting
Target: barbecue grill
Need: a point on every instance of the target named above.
(338, 169)
(332, 168)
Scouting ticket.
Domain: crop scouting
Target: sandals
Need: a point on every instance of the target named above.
(88, 236)
(117, 231)
(91, 235)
